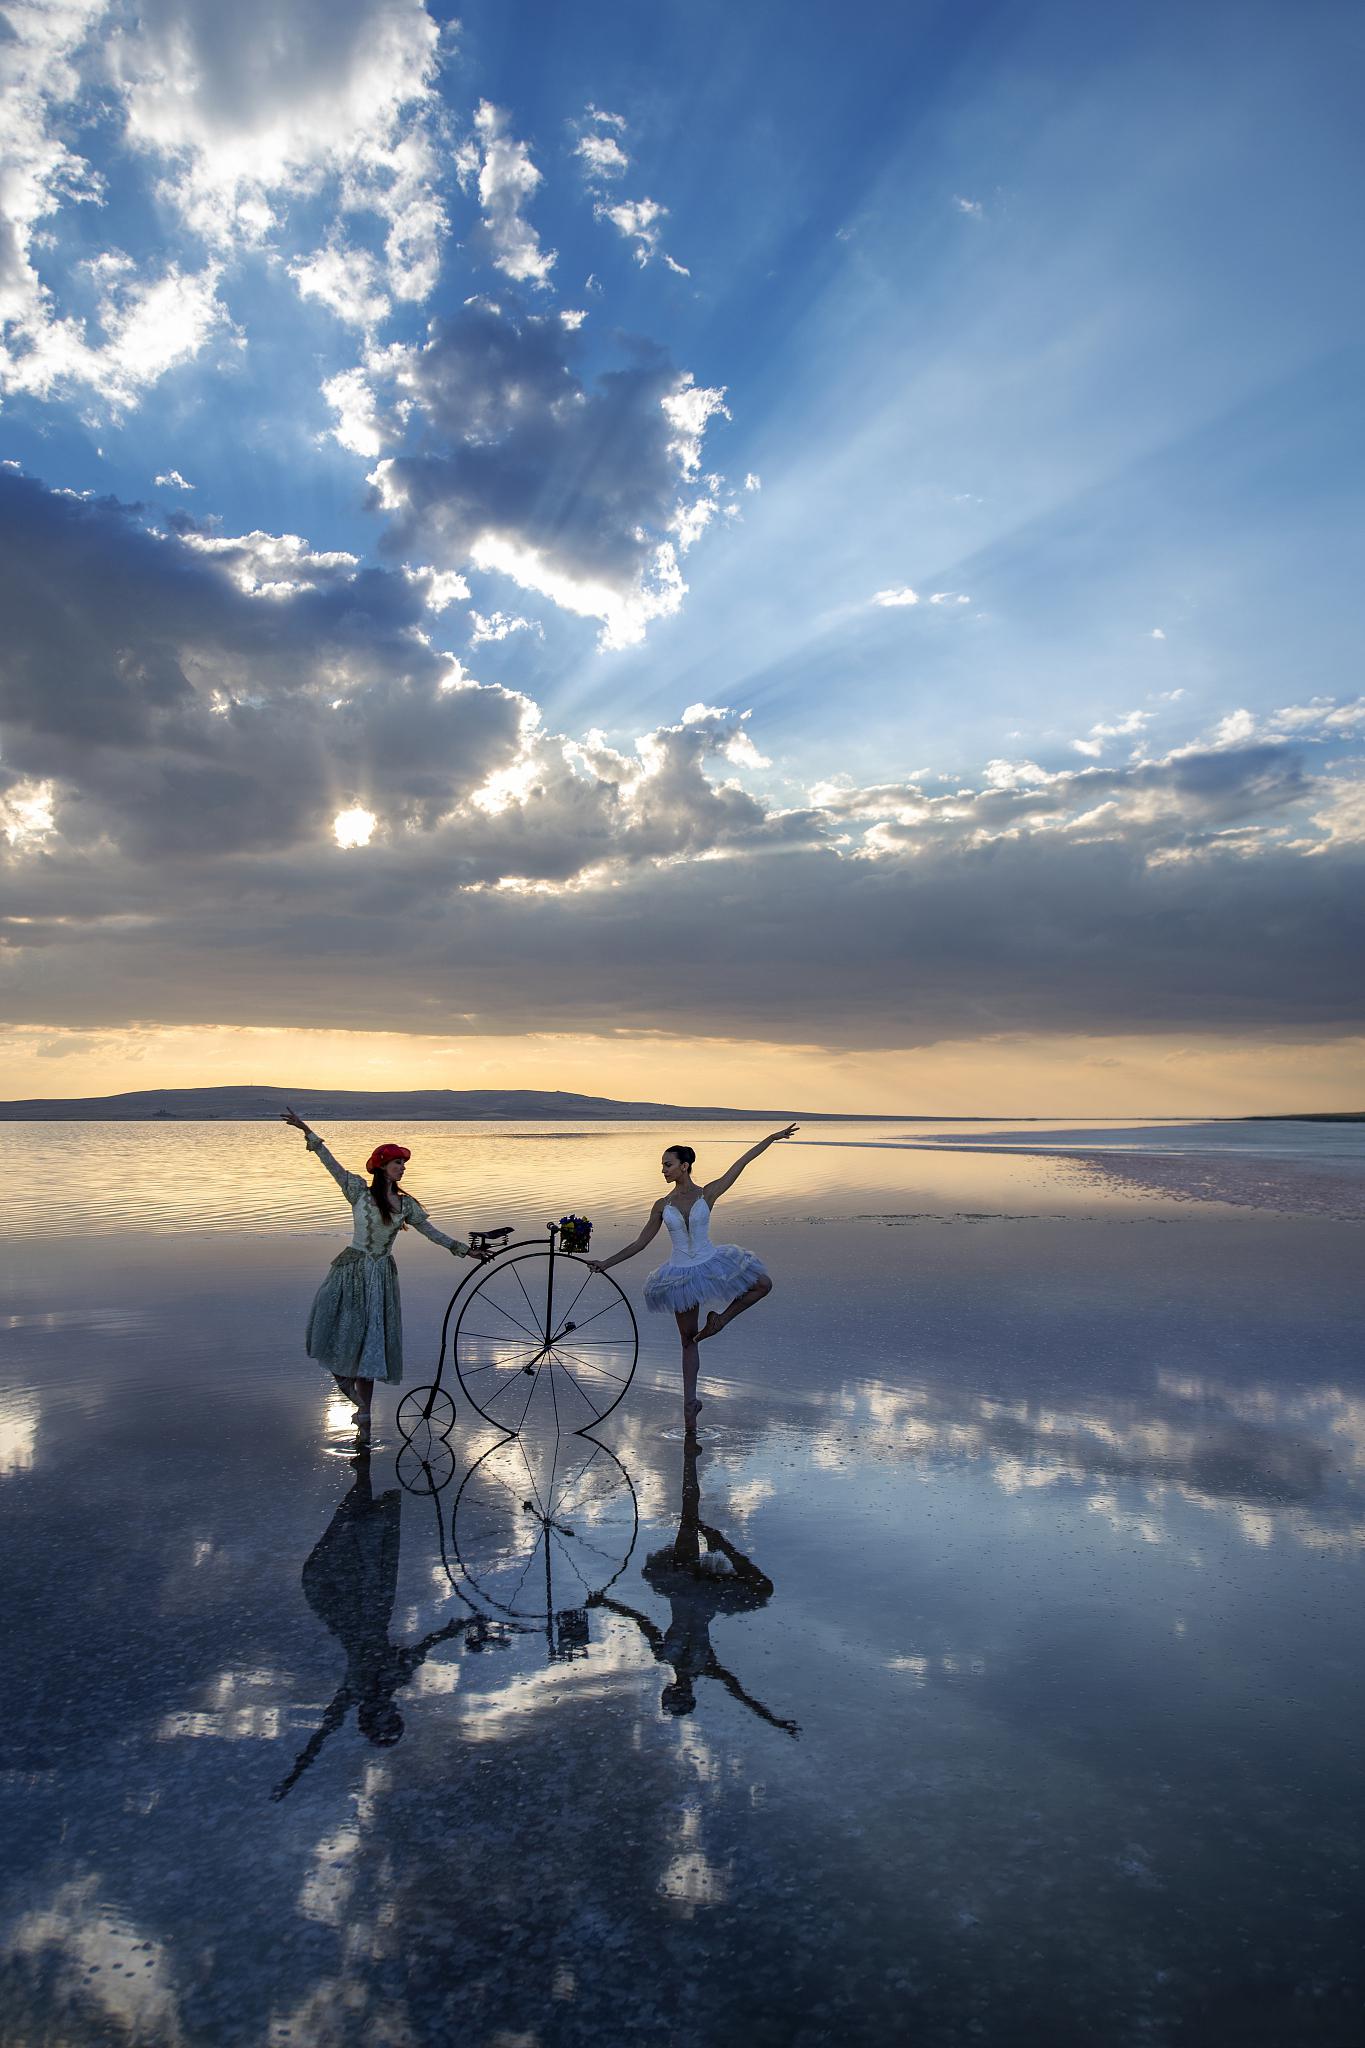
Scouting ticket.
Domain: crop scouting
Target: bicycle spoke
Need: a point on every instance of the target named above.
(581, 1392)
(510, 1381)
(487, 1337)
(522, 1285)
(529, 1398)
(490, 1303)
(589, 1275)
(589, 1365)
(619, 1302)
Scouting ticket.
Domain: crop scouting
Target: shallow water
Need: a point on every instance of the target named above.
(1029, 1711)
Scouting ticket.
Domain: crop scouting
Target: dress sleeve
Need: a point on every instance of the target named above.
(351, 1184)
(419, 1219)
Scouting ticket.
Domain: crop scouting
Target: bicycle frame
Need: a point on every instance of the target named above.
(519, 1244)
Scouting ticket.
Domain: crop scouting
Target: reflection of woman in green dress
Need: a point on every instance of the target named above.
(350, 1581)
(355, 1326)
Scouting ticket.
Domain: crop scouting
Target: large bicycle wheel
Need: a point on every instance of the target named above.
(544, 1343)
(540, 1527)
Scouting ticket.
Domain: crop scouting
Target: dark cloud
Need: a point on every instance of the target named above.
(509, 443)
(198, 740)
(187, 716)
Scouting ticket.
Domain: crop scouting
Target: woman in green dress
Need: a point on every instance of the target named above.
(355, 1325)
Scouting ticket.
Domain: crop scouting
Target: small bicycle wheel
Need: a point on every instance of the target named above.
(543, 1342)
(542, 1526)
(425, 1471)
(425, 1415)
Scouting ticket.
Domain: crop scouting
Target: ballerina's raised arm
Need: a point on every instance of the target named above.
(714, 1189)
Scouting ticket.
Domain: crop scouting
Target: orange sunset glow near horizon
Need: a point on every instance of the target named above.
(1001, 1076)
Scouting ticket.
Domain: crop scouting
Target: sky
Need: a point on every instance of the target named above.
(795, 556)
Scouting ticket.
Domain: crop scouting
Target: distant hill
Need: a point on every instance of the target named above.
(340, 1105)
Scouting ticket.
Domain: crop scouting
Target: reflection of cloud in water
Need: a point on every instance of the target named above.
(748, 1497)
(501, 1712)
(233, 1711)
(1279, 1465)
(18, 1432)
(90, 1954)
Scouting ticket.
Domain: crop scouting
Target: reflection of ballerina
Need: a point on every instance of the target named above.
(350, 1581)
(698, 1584)
(724, 1279)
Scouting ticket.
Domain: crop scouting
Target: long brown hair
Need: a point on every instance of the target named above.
(386, 1199)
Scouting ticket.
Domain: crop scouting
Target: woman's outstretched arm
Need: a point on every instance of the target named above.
(351, 1184)
(419, 1219)
(714, 1189)
(648, 1229)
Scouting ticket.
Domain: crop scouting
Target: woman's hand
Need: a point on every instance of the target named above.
(480, 1253)
(596, 1265)
(776, 1135)
(289, 1116)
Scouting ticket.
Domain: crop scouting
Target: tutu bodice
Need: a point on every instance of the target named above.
(690, 1235)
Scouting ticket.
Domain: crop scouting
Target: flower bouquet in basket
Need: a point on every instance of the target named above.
(574, 1233)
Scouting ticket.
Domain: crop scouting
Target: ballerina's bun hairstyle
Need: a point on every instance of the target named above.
(685, 1153)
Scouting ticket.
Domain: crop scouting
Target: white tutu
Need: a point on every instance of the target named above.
(711, 1282)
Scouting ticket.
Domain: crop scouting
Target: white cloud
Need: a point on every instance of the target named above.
(150, 325)
(638, 220)
(499, 625)
(572, 318)
(440, 588)
(689, 407)
(273, 564)
(678, 269)
(752, 482)
(172, 480)
(625, 616)
(357, 413)
(949, 597)
(507, 181)
(1127, 727)
(246, 114)
(1157, 634)
(972, 207)
(39, 171)
(897, 595)
(1015, 775)
(346, 280)
(602, 156)
(1235, 730)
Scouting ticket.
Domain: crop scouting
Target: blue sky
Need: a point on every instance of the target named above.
(968, 393)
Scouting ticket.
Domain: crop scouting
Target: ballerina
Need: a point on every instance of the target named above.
(355, 1324)
(723, 1279)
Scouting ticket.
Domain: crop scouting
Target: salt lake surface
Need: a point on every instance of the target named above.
(1032, 1714)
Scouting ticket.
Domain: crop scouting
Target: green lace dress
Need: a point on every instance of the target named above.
(355, 1326)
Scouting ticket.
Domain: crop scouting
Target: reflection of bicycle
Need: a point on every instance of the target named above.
(540, 1529)
(539, 1340)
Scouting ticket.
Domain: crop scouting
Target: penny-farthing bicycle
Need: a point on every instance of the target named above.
(539, 1341)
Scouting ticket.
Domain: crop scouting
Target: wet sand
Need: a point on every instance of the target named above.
(1038, 1721)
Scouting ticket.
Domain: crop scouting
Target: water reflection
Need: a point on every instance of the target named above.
(539, 1529)
(350, 1581)
(701, 1574)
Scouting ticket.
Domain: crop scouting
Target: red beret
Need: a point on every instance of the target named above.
(382, 1154)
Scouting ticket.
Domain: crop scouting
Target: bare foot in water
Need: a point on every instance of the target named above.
(710, 1328)
(691, 1410)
